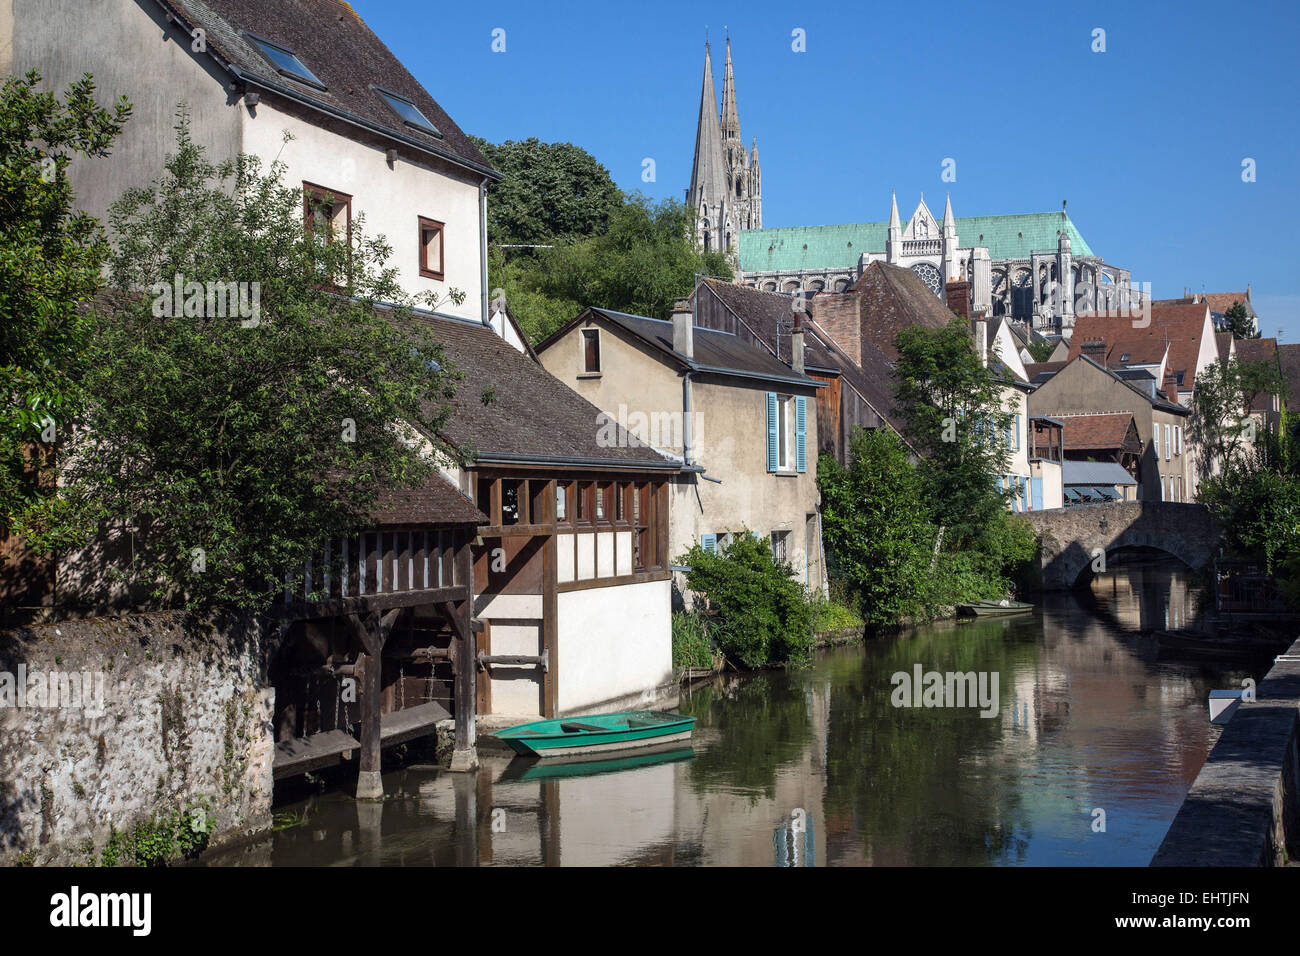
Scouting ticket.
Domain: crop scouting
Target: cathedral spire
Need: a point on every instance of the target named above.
(949, 223)
(708, 172)
(894, 223)
(730, 116)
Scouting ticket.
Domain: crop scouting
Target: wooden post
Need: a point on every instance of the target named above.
(370, 785)
(464, 757)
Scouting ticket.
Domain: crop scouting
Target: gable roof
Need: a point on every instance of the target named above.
(1131, 379)
(891, 299)
(717, 352)
(1106, 430)
(762, 314)
(1256, 350)
(1223, 342)
(529, 415)
(1179, 327)
(337, 46)
(796, 248)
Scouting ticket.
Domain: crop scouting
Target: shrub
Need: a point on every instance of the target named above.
(692, 646)
(760, 614)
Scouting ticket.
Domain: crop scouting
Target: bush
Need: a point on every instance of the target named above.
(692, 646)
(831, 616)
(760, 614)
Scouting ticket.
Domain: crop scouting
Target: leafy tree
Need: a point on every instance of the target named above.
(50, 260)
(876, 527)
(232, 447)
(762, 616)
(552, 192)
(1041, 349)
(1221, 425)
(1237, 321)
(953, 416)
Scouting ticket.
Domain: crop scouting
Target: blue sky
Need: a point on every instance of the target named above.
(1146, 140)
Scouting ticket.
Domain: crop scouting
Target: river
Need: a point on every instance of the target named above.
(1096, 738)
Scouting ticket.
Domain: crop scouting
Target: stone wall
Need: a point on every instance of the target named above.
(1243, 808)
(146, 716)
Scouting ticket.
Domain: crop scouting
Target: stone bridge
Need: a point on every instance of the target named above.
(1071, 538)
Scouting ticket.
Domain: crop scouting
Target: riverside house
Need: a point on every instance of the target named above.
(742, 424)
(491, 589)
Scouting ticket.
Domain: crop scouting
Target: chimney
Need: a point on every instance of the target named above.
(796, 346)
(683, 328)
(980, 335)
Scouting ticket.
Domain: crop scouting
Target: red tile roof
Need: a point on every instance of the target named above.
(1098, 431)
(1178, 326)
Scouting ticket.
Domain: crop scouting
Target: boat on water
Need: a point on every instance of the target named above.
(992, 608)
(591, 765)
(596, 734)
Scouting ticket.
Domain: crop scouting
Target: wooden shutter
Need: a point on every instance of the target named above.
(801, 434)
(1036, 494)
(772, 447)
(709, 542)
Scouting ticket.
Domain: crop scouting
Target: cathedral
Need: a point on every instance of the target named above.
(726, 184)
(1034, 268)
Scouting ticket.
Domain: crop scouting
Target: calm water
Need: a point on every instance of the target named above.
(816, 767)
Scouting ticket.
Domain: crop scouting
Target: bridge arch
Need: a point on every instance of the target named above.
(1071, 538)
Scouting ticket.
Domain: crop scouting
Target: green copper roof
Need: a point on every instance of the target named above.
(838, 247)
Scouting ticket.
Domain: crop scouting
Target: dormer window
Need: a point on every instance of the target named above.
(408, 111)
(286, 62)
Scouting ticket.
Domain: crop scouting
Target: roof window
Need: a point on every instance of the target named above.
(408, 111)
(287, 62)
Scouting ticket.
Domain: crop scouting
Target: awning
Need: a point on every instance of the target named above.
(1107, 493)
(1072, 494)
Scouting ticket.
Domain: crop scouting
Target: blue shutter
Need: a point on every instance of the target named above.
(772, 445)
(1009, 438)
(709, 542)
(1017, 432)
(800, 434)
(1036, 493)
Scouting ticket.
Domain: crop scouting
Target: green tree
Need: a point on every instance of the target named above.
(1237, 321)
(953, 416)
(552, 192)
(1041, 349)
(231, 447)
(1221, 425)
(641, 264)
(877, 530)
(50, 261)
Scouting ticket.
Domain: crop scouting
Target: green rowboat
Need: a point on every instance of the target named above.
(597, 733)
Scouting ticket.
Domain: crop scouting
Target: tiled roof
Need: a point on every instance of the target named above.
(337, 46)
(1039, 372)
(764, 312)
(1178, 326)
(1288, 357)
(717, 351)
(508, 405)
(1256, 350)
(1104, 430)
(1223, 301)
(793, 248)
(436, 501)
(893, 298)
(1223, 341)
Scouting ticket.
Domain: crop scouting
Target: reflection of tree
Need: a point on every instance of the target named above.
(909, 778)
(760, 724)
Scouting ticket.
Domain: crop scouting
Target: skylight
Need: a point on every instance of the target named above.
(287, 62)
(408, 111)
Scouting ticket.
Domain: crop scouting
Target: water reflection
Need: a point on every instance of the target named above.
(816, 767)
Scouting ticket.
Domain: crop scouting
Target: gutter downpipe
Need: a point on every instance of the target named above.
(483, 245)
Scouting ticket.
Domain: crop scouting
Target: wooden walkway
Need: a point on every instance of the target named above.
(304, 754)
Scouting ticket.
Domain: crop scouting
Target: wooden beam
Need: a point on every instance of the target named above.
(459, 615)
(369, 784)
(550, 625)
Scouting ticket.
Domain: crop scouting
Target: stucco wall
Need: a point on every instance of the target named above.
(185, 721)
(613, 642)
(130, 50)
(391, 199)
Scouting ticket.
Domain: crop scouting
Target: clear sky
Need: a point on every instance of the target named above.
(1146, 140)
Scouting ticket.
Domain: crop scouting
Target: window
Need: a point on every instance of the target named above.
(1168, 444)
(787, 418)
(408, 111)
(1178, 439)
(781, 546)
(561, 502)
(286, 62)
(1155, 439)
(709, 542)
(431, 259)
(591, 351)
(327, 212)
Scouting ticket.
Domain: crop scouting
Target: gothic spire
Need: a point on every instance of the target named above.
(893, 212)
(730, 117)
(949, 223)
(708, 172)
